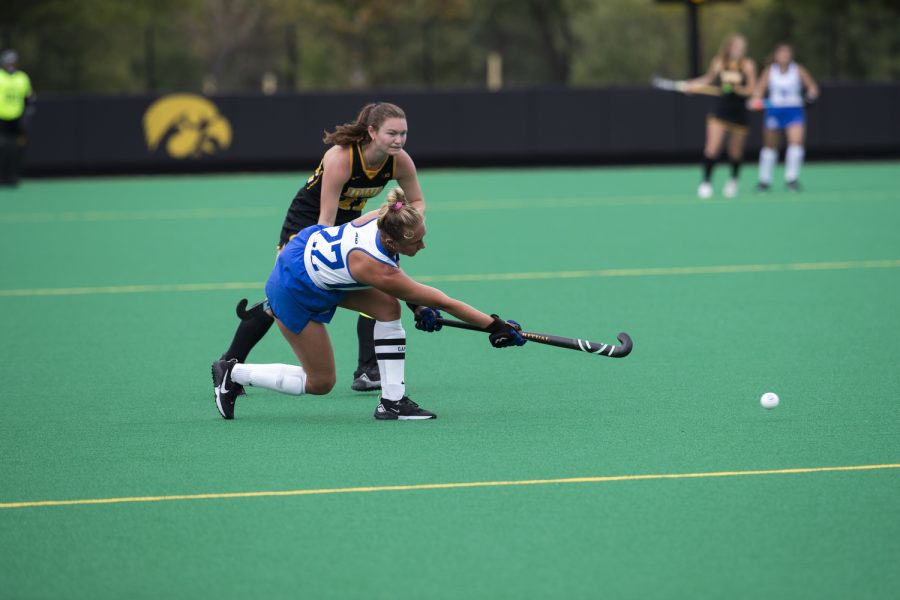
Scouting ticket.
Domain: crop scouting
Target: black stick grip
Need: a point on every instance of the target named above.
(598, 348)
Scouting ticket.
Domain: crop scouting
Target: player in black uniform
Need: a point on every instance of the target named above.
(366, 154)
(735, 75)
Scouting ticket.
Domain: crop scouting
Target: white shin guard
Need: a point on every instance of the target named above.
(793, 159)
(287, 379)
(390, 352)
(768, 157)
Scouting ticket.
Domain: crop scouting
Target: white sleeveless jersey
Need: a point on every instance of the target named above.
(327, 250)
(785, 89)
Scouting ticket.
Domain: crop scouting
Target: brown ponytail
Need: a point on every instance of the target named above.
(357, 132)
(397, 217)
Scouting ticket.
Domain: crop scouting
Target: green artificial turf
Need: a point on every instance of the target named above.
(106, 394)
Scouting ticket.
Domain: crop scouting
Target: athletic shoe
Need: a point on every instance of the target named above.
(731, 188)
(243, 392)
(226, 389)
(402, 410)
(793, 186)
(762, 187)
(365, 383)
(705, 190)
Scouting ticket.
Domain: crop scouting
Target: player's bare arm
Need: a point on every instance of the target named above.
(395, 282)
(336, 165)
(707, 78)
(761, 84)
(749, 69)
(812, 88)
(408, 180)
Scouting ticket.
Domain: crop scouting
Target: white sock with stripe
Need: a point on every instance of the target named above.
(768, 158)
(287, 379)
(390, 352)
(793, 159)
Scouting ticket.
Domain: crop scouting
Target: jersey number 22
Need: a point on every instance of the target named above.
(338, 261)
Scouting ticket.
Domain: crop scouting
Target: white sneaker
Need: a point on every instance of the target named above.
(731, 188)
(705, 190)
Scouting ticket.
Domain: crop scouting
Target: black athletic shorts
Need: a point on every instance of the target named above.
(732, 112)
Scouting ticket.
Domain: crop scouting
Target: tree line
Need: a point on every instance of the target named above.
(218, 46)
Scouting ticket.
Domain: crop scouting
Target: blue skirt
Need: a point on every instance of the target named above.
(783, 117)
(294, 298)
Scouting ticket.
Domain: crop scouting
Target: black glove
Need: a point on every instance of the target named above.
(505, 333)
(426, 317)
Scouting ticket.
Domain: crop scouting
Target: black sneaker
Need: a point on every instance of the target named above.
(402, 410)
(793, 186)
(226, 390)
(762, 187)
(243, 392)
(368, 381)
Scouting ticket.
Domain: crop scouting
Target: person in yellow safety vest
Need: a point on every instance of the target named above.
(16, 106)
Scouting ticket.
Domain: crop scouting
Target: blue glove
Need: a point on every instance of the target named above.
(505, 333)
(427, 319)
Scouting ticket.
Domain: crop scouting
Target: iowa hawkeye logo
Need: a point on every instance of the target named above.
(187, 126)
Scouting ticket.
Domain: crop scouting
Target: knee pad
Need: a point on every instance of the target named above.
(389, 330)
(291, 380)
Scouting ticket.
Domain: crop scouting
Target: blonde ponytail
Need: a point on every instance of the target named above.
(397, 217)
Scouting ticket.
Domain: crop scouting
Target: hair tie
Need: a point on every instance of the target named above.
(397, 206)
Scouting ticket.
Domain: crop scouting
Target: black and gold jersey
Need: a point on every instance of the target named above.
(364, 183)
(732, 107)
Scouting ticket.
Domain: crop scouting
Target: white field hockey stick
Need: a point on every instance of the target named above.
(672, 85)
(683, 87)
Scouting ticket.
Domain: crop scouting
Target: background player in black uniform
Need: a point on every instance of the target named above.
(366, 155)
(735, 75)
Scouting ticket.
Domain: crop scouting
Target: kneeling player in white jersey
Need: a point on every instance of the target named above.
(354, 266)
(785, 80)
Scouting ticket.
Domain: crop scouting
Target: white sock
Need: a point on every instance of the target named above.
(768, 158)
(287, 379)
(390, 351)
(792, 161)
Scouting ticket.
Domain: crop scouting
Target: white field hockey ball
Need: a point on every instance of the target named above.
(769, 400)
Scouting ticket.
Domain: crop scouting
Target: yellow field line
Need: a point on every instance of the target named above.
(524, 276)
(132, 289)
(443, 486)
(661, 271)
(140, 215)
(250, 212)
(658, 200)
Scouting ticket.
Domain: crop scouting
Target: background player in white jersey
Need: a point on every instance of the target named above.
(354, 266)
(784, 80)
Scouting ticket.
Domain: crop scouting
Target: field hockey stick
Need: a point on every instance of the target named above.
(243, 313)
(598, 348)
(683, 87)
(671, 85)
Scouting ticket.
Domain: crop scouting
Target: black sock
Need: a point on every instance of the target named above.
(708, 164)
(249, 332)
(365, 331)
(735, 168)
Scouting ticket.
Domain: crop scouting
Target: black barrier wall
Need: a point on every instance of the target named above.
(185, 133)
